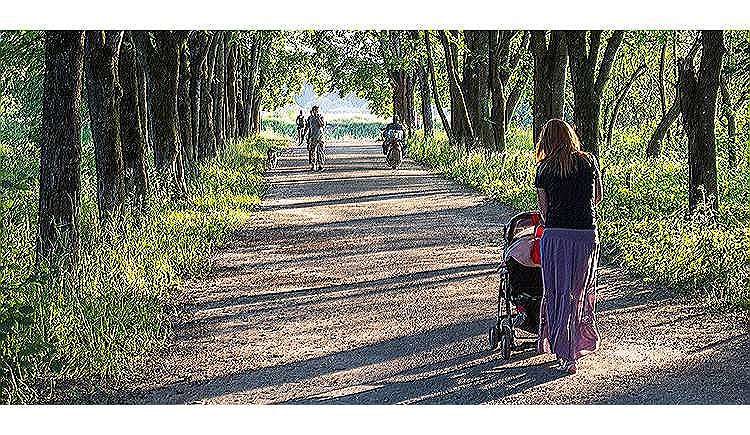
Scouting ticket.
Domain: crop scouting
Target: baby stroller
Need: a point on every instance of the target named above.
(520, 291)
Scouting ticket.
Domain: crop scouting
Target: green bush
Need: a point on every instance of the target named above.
(93, 324)
(643, 219)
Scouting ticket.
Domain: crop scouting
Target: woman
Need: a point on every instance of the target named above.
(568, 186)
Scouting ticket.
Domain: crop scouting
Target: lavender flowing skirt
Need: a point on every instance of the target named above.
(567, 326)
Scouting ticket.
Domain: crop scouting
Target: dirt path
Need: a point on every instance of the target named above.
(364, 285)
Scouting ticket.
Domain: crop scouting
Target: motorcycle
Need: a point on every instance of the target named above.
(393, 147)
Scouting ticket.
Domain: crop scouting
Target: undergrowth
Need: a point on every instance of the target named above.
(643, 220)
(63, 334)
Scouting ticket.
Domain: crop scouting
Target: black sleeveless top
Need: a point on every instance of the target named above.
(570, 200)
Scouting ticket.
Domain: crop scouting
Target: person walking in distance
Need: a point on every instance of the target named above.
(314, 131)
(300, 128)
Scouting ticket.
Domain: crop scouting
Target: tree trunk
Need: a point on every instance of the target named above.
(451, 68)
(698, 107)
(255, 117)
(241, 80)
(620, 98)
(465, 125)
(198, 46)
(207, 140)
(251, 82)
(217, 87)
(588, 84)
(513, 99)
(653, 148)
(163, 68)
(549, 77)
(399, 88)
(131, 128)
(60, 158)
(497, 91)
(103, 99)
(184, 110)
(409, 106)
(143, 107)
(435, 92)
(475, 86)
(232, 92)
(424, 97)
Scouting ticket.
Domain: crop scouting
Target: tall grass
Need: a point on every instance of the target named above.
(62, 334)
(334, 130)
(643, 219)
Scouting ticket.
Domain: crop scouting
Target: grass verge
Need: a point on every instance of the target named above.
(643, 219)
(64, 334)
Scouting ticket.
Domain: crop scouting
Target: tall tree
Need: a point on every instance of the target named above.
(207, 140)
(198, 47)
(550, 59)
(698, 107)
(588, 81)
(653, 147)
(250, 79)
(241, 82)
(425, 100)
(232, 90)
(185, 113)
(60, 158)
(217, 90)
(622, 93)
(143, 108)
(475, 86)
(457, 96)
(452, 69)
(131, 127)
(161, 52)
(502, 64)
(394, 60)
(103, 98)
(435, 91)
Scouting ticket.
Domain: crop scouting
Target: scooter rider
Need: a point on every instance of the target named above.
(392, 127)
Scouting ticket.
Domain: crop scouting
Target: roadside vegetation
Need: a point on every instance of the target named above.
(127, 156)
(335, 130)
(644, 221)
(64, 332)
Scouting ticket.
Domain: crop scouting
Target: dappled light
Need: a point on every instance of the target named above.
(319, 216)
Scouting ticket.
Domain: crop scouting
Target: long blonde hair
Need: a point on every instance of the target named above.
(557, 145)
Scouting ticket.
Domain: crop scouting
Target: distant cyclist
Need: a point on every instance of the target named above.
(300, 128)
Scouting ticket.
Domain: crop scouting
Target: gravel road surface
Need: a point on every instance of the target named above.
(365, 285)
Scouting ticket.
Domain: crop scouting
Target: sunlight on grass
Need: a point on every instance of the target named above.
(77, 330)
(642, 221)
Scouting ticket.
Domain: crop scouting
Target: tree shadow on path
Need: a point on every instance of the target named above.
(298, 371)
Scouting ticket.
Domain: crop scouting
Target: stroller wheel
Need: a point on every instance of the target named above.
(493, 336)
(506, 341)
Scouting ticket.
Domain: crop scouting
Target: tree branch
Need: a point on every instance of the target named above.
(610, 52)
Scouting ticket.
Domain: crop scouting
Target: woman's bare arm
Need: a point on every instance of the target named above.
(541, 202)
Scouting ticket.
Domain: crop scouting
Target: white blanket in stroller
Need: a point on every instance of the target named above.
(520, 250)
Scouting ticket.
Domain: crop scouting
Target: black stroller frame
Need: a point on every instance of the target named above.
(502, 334)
